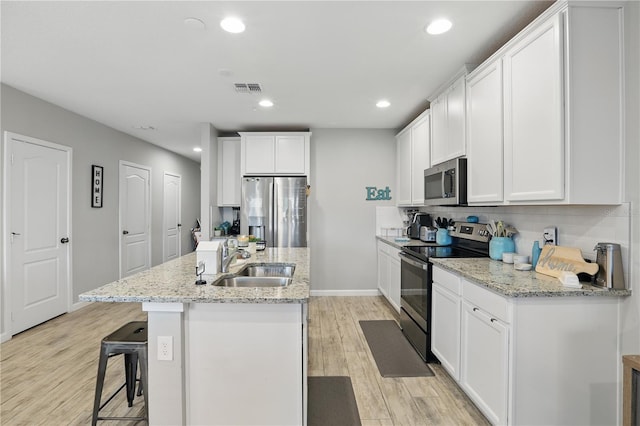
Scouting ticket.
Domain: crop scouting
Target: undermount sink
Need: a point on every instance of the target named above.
(259, 275)
(245, 281)
(267, 270)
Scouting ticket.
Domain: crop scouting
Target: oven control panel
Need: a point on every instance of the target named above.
(471, 231)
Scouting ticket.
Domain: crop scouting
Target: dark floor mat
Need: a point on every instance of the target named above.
(331, 402)
(394, 355)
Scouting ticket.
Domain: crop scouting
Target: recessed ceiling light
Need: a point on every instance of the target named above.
(265, 103)
(439, 26)
(383, 104)
(232, 25)
(197, 149)
(194, 23)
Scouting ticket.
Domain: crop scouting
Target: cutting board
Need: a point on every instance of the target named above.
(556, 259)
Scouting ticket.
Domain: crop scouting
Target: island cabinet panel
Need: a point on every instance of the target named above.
(229, 348)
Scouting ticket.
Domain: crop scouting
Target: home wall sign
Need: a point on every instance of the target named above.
(96, 186)
(373, 193)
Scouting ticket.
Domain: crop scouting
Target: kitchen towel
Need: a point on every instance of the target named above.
(394, 355)
(331, 401)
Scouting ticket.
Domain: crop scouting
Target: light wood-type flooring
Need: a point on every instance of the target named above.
(47, 373)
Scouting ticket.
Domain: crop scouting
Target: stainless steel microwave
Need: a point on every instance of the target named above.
(446, 184)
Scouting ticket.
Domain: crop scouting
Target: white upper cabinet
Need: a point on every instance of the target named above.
(413, 148)
(420, 146)
(448, 133)
(268, 153)
(534, 137)
(229, 178)
(562, 101)
(403, 152)
(484, 135)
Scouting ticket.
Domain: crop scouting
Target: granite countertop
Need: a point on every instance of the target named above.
(174, 282)
(503, 279)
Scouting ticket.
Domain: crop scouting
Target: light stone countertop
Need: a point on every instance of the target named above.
(503, 279)
(174, 282)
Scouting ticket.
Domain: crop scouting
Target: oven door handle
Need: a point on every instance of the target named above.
(417, 264)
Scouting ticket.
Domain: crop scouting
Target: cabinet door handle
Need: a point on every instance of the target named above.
(125, 232)
(475, 309)
(64, 240)
(493, 320)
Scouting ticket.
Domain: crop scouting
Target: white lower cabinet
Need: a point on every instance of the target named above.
(389, 273)
(528, 360)
(485, 361)
(445, 321)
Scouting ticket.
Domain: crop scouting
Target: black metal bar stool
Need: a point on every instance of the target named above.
(129, 340)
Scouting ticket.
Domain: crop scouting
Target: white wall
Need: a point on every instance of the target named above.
(95, 233)
(342, 222)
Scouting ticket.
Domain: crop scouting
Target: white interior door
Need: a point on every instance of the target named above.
(38, 228)
(171, 248)
(135, 218)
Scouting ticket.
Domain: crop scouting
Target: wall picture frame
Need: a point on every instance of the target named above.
(97, 177)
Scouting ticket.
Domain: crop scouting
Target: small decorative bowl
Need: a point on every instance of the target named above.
(520, 258)
(522, 266)
(507, 257)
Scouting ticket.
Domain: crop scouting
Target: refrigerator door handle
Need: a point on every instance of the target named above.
(273, 209)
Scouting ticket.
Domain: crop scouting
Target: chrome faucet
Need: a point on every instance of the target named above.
(228, 254)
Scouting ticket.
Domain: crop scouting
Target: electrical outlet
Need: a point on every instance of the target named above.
(165, 348)
(550, 236)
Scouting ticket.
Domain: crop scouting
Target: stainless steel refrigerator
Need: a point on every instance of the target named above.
(274, 209)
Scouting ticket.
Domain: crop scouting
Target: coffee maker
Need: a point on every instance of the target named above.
(419, 219)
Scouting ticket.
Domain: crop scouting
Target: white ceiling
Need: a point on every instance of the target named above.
(323, 63)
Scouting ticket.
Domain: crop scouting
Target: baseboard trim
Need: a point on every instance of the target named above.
(79, 305)
(4, 337)
(345, 293)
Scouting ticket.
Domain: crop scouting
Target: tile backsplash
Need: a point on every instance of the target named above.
(578, 226)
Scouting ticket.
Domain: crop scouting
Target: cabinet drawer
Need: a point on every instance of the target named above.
(490, 303)
(447, 280)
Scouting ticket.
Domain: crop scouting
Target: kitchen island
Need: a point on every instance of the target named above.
(237, 355)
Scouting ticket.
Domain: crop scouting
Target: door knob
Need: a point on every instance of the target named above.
(125, 232)
(179, 224)
(64, 240)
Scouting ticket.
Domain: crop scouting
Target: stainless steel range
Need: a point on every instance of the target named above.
(468, 240)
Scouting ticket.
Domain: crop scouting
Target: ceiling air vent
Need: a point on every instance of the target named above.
(247, 87)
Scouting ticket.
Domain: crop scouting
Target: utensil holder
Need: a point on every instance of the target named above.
(442, 237)
(499, 245)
